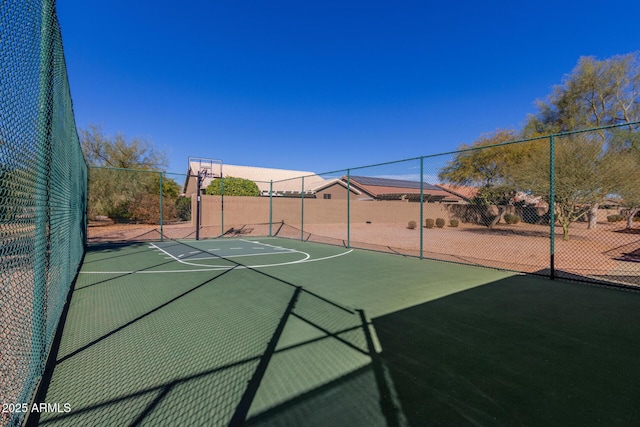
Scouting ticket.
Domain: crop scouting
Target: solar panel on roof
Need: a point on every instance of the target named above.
(388, 182)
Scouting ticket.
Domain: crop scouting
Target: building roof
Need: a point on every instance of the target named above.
(391, 183)
(462, 191)
(387, 188)
(283, 179)
(336, 181)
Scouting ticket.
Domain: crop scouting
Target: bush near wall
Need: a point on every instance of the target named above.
(615, 218)
(510, 218)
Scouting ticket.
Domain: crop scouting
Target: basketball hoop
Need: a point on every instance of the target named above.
(202, 169)
(205, 168)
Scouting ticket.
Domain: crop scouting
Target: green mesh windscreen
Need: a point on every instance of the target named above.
(43, 179)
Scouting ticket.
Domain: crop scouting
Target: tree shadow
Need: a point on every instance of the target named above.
(628, 231)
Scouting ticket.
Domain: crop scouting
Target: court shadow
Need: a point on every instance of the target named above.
(621, 281)
(234, 347)
(242, 231)
(518, 351)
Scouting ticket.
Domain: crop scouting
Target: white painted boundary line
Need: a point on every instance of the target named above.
(278, 251)
(302, 261)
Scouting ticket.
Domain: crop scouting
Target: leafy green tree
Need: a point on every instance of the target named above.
(578, 178)
(118, 152)
(487, 164)
(124, 180)
(588, 167)
(233, 187)
(626, 142)
(596, 93)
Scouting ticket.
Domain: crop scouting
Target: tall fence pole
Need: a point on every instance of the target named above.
(198, 204)
(161, 233)
(302, 213)
(552, 207)
(222, 207)
(271, 208)
(421, 204)
(42, 190)
(348, 208)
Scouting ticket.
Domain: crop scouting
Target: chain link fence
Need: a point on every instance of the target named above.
(43, 193)
(486, 205)
(127, 205)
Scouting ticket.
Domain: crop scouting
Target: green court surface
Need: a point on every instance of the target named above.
(280, 332)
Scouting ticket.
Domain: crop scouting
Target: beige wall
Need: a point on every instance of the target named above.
(255, 210)
(338, 192)
(192, 186)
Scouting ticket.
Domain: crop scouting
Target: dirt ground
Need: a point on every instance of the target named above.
(609, 251)
(523, 247)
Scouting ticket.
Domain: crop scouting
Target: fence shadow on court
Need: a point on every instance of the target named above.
(228, 347)
(518, 351)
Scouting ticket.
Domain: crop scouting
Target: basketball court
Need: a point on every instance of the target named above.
(273, 331)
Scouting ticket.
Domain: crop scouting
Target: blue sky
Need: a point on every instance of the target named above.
(325, 85)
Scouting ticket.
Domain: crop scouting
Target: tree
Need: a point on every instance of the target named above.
(596, 93)
(233, 187)
(578, 182)
(118, 152)
(487, 164)
(124, 178)
(626, 142)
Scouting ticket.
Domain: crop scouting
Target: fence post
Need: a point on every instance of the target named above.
(42, 190)
(161, 233)
(222, 206)
(302, 213)
(552, 207)
(421, 204)
(198, 205)
(271, 208)
(348, 208)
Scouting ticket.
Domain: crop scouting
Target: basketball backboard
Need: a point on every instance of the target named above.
(205, 168)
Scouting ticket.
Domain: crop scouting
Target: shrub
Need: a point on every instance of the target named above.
(615, 218)
(412, 225)
(440, 222)
(510, 218)
(233, 187)
(453, 222)
(429, 222)
(183, 206)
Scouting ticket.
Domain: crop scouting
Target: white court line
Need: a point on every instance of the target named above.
(277, 250)
(268, 245)
(303, 261)
(244, 255)
(307, 256)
